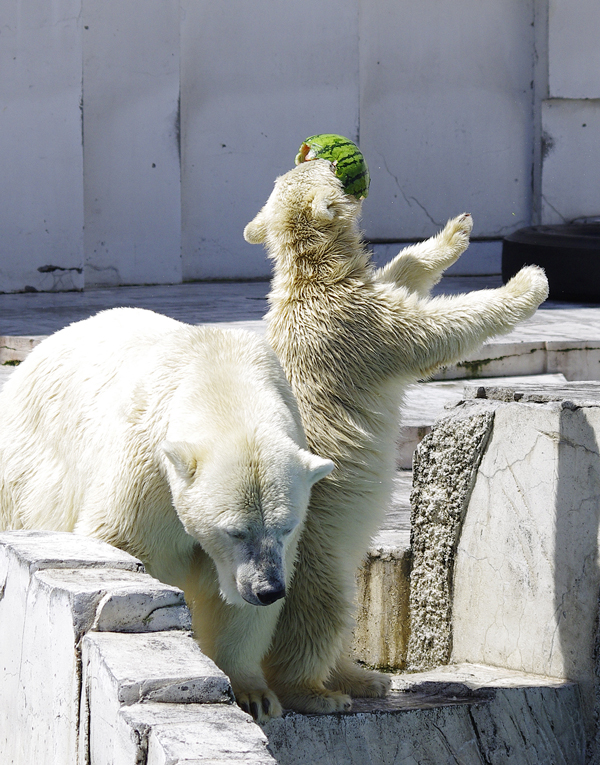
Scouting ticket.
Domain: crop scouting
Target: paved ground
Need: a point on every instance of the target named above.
(42, 313)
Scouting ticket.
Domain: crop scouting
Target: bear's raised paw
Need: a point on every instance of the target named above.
(531, 283)
(455, 233)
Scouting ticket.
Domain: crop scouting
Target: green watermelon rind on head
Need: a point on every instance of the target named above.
(350, 165)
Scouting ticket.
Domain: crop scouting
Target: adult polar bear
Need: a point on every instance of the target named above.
(350, 339)
(182, 445)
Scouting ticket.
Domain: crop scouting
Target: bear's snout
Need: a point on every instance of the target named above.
(270, 595)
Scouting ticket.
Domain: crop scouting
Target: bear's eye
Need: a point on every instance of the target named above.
(287, 530)
(236, 533)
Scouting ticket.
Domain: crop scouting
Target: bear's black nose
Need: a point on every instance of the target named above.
(266, 597)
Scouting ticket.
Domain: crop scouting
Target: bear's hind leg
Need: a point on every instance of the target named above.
(313, 699)
(352, 679)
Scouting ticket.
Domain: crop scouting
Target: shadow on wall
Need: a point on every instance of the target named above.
(576, 568)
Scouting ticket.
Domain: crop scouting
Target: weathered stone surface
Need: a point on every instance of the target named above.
(160, 670)
(527, 576)
(216, 735)
(44, 549)
(45, 610)
(115, 600)
(183, 733)
(382, 624)
(43, 613)
(160, 666)
(445, 467)
(465, 715)
(500, 359)
(381, 631)
(17, 348)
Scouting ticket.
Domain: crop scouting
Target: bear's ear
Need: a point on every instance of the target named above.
(256, 231)
(317, 467)
(322, 206)
(183, 456)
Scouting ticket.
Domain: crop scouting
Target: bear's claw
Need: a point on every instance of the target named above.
(262, 705)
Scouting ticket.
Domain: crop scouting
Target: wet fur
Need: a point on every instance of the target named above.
(350, 339)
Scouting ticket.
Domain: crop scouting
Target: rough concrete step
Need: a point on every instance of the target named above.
(382, 620)
(425, 402)
(467, 714)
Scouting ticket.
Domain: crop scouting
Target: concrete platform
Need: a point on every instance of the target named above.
(560, 343)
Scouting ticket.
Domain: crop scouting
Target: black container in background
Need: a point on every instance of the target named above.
(569, 253)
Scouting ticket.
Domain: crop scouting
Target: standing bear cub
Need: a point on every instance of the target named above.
(350, 339)
(182, 445)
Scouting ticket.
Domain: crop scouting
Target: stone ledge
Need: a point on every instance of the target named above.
(39, 550)
(454, 714)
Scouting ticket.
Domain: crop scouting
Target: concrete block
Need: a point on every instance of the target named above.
(577, 359)
(466, 714)
(54, 588)
(382, 622)
(108, 600)
(174, 734)
(500, 359)
(17, 348)
(526, 577)
(37, 550)
(124, 669)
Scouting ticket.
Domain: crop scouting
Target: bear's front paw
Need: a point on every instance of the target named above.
(261, 704)
(531, 283)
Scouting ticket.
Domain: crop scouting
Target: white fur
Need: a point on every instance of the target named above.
(182, 445)
(350, 339)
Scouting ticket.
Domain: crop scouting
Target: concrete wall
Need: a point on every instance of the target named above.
(138, 139)
(571, 114)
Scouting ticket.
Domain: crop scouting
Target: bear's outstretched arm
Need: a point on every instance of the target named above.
(419, 267)
(444, 330)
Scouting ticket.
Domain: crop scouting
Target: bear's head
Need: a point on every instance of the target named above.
(245, 503)
(308, 214)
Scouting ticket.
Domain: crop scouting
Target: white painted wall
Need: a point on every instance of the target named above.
(571, 115)
(445, 98)
(258, 76)
(446, 115)
(130, 142)
(41, 178)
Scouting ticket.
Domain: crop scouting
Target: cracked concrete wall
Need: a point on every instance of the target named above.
(138, 139)
(446, 115)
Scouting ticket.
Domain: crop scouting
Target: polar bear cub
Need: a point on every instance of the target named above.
(350, 339)
(182, 445)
